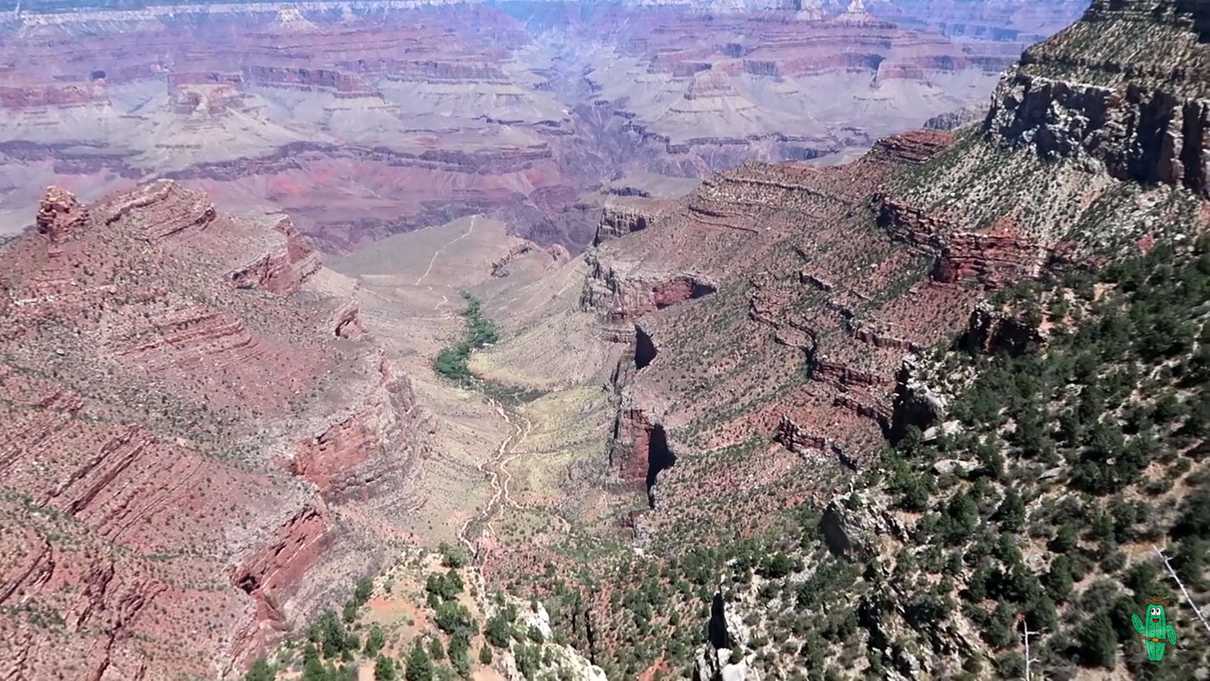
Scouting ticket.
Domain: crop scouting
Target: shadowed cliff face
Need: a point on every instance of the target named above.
(644, 348)
(1126, 91)
(659, 458)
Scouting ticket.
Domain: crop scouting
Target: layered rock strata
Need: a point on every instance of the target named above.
(152, 384)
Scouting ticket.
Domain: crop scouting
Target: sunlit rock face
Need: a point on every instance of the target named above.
(177, 452)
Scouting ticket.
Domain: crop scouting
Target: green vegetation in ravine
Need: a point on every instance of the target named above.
(452, 361)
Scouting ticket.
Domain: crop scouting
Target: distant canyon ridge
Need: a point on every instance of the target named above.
(365, 119)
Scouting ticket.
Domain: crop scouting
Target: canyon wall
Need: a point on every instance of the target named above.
(1134, 120)
(364, 119)
(189, 439)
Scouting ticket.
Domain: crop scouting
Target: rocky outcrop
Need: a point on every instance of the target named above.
(620, 295)
(346, 321)
(562, 659)
(723, 658)
(176, 209)
(991, 331)
(913, 147)
(992, 258)
(1124, 92)
(501, 267)
(1131, 133)
(853, 523)
(324, 459)
(815, 444)
(952, 120)
(800, 441)
(639, 450)
(916, 402)
(620, 219)
(911, 225)
(60, 214)
(271, 574)
(335, 460)
(284, 269)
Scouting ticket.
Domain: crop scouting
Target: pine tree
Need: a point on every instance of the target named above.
(361, 594)
(335, 638)
(374, 641)
(384, 669)
(314, 670)
(436, 651)
(1098, 642)
(419, 666)
(1011, 513)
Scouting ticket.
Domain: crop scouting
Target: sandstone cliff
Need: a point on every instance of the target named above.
(189, 440)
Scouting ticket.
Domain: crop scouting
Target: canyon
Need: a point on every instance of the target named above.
(718, 259)
(365, 119)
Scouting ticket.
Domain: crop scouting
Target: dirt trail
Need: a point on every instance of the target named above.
(495, 469)
(437, 253)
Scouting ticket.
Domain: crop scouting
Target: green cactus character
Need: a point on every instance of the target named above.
(1155, 631)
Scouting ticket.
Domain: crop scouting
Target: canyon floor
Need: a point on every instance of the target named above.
(514, 440)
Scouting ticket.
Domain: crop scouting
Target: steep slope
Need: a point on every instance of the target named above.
(1045, 458)
(770, 317)
(1063, 450)
(192, 438)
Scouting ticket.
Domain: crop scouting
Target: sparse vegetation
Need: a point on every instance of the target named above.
(452, 361)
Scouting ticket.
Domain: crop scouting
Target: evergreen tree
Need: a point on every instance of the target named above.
(419, 666)
(261, 670)
(361, 594)
(459, 655)
(1059, 580)
(384, 669)
(1098, 642)
(314, 670)
(499, 630)
(334, 636)
(1011, 514)
(374, 641)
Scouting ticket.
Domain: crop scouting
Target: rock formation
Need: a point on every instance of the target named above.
(145, 404)
(60, 215)
(1140, 120)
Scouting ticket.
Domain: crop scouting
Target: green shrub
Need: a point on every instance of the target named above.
(419, 666)
(261, 670)
(384, 669)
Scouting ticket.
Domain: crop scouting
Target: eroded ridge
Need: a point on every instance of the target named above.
(156, 391)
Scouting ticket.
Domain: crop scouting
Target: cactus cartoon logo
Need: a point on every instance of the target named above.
(1155, 631)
